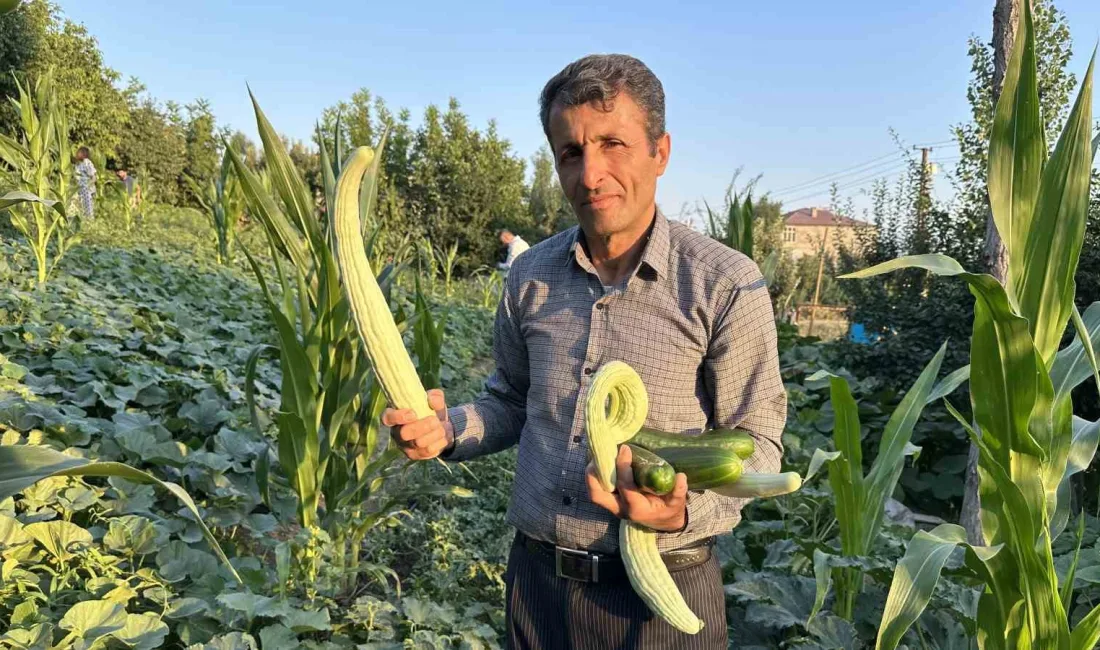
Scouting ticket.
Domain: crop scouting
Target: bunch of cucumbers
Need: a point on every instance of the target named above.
(709, 460)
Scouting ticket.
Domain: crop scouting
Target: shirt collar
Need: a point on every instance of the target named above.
(655, 256)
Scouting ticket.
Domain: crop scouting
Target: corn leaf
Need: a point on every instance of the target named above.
(22, 466)
(894, 447)
(12, 199)
(1054, 236)
(1086, 436)
(1001, 351)
(1071, 574)
(846, 472)
(267, 211)
(915, 578)
(1071, 367)
(1017, 150)
(285, 178)
(948, 384)
(818, 460)
(1087, 633)
(1045, 619)
(368, 191)
(823, 573)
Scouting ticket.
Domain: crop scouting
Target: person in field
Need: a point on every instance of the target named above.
(85, 182)
(516, 246)
(690, 315)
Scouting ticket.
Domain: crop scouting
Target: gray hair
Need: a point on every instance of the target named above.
(600, 78)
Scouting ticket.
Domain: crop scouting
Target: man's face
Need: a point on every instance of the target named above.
(605, 163)
(122, 174)
(506, 238)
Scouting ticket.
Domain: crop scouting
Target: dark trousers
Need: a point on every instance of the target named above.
(546, 612)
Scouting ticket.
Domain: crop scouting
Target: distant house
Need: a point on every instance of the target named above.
(805, 228)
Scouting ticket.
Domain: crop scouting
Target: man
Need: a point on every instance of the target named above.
(85, 182)
(132, 188)
(690, 315)
(515, 244)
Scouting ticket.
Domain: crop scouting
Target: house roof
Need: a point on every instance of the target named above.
(820, 217)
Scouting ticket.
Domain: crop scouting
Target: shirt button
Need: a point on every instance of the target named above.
(588, 371)
(567, 500)
(599, 305)
(576, 438)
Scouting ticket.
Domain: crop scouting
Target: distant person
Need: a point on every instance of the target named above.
(85, 182)
(133, 188)
(516, 245)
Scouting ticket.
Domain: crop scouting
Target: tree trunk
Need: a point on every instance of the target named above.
(1005, 16)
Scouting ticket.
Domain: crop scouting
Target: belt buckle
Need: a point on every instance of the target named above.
(571, 569)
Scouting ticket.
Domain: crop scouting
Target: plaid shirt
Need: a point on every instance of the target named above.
(694, 319)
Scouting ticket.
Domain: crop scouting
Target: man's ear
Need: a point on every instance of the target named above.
(664, 148)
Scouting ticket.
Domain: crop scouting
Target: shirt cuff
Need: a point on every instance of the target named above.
(469, 432)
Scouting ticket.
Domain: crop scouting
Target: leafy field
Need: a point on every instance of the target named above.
(137, 354)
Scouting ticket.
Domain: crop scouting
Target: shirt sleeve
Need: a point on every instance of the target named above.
(741, 371)
(493, 421)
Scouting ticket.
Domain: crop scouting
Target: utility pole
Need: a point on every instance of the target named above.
(817, 287)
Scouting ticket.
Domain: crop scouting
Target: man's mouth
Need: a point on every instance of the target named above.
(600, 201)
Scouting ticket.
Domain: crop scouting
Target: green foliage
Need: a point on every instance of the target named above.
(223, 201)
(153, 148)
(1022, 409)
(19, 43)
(41, 173)
(95, 105)
(550, 211)
(201, 152)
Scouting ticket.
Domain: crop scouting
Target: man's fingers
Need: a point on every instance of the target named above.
(600, 496)
(438, 403)
(624, 479)
(398, 417)
(428, 439)
(678, 497)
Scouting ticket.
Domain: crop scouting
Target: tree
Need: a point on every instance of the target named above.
(464, 185)
(550, 211)
(202, 150)
(21, 35)
(152, 146)
(97, 109)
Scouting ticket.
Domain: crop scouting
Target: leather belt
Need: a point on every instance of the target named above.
(585, 566)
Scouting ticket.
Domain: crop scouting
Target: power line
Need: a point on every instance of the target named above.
(814, 181)
(836, 177)
(850, 184)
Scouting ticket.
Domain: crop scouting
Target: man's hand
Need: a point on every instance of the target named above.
(424, 438)
(662, 513)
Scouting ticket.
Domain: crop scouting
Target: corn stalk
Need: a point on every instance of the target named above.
(1029, 441)
(41, 178)
(329, 445)
(223, 201)
(861, 500)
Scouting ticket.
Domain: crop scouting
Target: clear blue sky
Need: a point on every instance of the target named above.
(790, 89)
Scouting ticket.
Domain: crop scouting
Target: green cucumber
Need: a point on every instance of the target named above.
(704, 467)
(735, 440)
(651, 472)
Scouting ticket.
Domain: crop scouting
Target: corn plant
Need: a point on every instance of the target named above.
(328, 442)
(124, 204)
(861, 500)
(223, 201)
(447, 261)
(1030, 443)
(736, 232)
(489, 283)
(41, 176)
